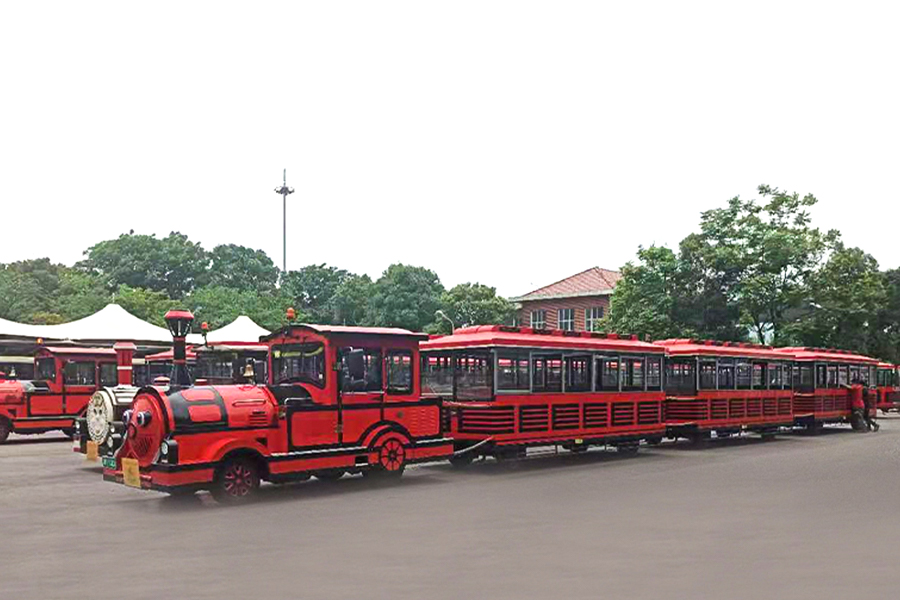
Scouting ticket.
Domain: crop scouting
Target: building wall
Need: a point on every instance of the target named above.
(552, 306)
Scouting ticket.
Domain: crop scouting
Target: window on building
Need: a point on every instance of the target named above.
(546, 372)
(608, 373)
(707, 374)
(566, 319)
(592, 318)
(437, 374)
(539, 319)
(80, 373)
(512, 372)
(578, 373)
(474, 376)
(398, 370)
(371, 381)
(109, 374)
(654, 373)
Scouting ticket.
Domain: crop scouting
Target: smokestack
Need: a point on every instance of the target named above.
(179, 323)
(125, 360)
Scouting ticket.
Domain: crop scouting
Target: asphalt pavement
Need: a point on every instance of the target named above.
(798, 517)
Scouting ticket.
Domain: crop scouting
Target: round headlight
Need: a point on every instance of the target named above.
(109, 441)
(164, 449)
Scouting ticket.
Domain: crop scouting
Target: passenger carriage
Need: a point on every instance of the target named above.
(64, 380)
(887, 384)
(505, 389)
(338, 400)
(820, 378)
(726, 387)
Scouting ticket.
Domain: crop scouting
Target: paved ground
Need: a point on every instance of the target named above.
(799, 517)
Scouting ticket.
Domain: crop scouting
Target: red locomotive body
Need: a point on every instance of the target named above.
(507, 388)
(339, 399)
(820, 380)
(726, 387)
(887, 385)
(64, 379)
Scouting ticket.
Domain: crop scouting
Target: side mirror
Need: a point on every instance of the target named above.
(356, 366)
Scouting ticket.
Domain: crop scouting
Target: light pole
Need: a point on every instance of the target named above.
(443, 315)
(284, 190)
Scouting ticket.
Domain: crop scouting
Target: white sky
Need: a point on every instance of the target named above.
(511, 143)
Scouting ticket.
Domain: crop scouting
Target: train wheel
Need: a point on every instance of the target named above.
(5, 428)
(329, 475)
(628, 449)
(392, 458)
(236, 481)
(461, 461)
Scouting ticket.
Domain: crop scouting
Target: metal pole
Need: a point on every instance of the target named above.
(284, 190)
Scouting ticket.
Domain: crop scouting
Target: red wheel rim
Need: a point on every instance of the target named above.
(392, 455)
(237, 480)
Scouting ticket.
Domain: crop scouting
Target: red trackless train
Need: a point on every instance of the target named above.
(64, 380)
(338, 400)
(504, 389)
(887, 384)
(726, 388)
(820, 381)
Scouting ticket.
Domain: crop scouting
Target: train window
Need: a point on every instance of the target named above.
(854, 374)
(831, 376)
(759, 376)
(578, 373)
(680, 377)
(46, 369)
(80, 373)
(608, 373)
(775, 375)
(742, 375)
(632, 373)
(437, 374)
(398, 372)
(109, 374)
(726, 374)
(864, 375)
(546, 372)
(474, 376)
(512, 372)
(371, 381)
(843, 375)
(304, 362)
(707, 374)
(654, 373)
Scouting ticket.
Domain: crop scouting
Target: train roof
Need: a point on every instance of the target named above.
(328, 330)
(827, 355)
(498, 335)
(688, 347)
(885, 365)
(78, 351)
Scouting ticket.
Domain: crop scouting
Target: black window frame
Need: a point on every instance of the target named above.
(486, 358)
(584, 372)
(388, 366)
(80, 367)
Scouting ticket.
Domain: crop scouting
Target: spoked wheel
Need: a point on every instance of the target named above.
(236, 481)
(391, 460)
(5, 428)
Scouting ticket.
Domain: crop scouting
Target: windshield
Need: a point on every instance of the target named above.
(299, 362)
(45, 369)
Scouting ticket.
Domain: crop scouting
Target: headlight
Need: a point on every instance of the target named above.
(164, 449)
(109, 441)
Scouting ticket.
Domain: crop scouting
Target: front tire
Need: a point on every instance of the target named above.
(5, 429)
(237, 481)
(391, 460)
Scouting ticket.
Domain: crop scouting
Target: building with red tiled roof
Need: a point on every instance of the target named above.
(575, 303)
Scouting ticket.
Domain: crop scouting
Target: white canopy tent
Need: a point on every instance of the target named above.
(111, 323)
(242, 329)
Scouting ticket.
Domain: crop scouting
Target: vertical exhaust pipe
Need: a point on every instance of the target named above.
(179, 323)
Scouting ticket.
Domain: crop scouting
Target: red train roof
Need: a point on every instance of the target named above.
(344, 330)
(65, 350)
(884, 365)
(498, 335)
(687, 347)
(827, 355)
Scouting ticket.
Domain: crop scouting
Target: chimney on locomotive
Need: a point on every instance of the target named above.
(124, 362)
(179, 323)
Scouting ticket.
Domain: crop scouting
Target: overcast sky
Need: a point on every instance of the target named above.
(510, 143)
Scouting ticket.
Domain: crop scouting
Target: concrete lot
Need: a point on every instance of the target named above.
(799, 517)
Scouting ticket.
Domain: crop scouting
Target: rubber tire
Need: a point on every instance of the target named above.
(5, 429)
(219, 491)
(330, 475)
(462, 461)
(69, 432)
(381, 471)
(628, 449)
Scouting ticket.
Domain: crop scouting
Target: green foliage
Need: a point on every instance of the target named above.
(172, 264)
(219, 306)
(351, 299)
(148, 305)
(472, 304)
(885, 341)
(406, 297)
(240, 268)
(313, 289)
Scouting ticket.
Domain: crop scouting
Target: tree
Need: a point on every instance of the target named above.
(351, 300)
(79, 295)
(472, 304)
(219, 306)
(241, 268)
(885, 340)
(313, 289)
(145, 304)
(405, 296)
(172, 264)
